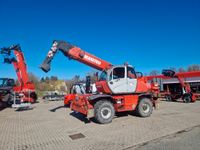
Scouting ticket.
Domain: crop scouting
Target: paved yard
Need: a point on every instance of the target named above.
(188, 139)
(49, 126)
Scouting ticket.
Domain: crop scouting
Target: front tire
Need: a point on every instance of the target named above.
(8, 99)
(34, 96)
(145, 107)
(104, 111)
(168, 98)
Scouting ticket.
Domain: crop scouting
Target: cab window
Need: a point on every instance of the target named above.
(103, 76)
(1, 82)
(10, 82)
(118, 72)
(131, 73)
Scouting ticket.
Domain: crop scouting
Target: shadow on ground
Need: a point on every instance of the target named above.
(81, 117)
(56, 108)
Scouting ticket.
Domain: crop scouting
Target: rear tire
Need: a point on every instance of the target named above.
(104, 111)
(145, 107)
(187, 99)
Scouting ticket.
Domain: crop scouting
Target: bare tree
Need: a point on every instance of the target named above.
(154, 73)
(76, 78)
(69, 84)
(173, 68)
(93, 76)
(33, 78)
(193, 67)
(181, 69)
(54, 78)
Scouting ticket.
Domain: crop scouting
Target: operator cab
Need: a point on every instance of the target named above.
(6, 82)
(120, 79)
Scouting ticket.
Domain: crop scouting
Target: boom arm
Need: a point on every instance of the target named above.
(18, 62)
(167, 74)
(26, 88)
(75, 53)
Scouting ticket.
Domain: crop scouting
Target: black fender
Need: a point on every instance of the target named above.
(99, 96)
(187, 94)
(149, 95)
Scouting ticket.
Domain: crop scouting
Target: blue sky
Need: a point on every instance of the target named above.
(149, 34)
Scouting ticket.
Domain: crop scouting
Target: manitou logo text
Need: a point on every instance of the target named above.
(52, 50)
(92, 59)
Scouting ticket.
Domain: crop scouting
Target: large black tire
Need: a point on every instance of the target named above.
(11, 100)
(34, 96)
(187, 99)
(145, 107)
(8, 99)
(168, 98)
(104, 111)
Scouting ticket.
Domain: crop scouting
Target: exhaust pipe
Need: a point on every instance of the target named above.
(57, 45)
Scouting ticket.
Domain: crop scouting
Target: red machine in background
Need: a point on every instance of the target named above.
(119, 88)
(76, 88)
(80, 88)
(25, 91)
(185, 92)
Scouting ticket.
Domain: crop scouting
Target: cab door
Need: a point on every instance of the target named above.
(131, 80)
(117, 81)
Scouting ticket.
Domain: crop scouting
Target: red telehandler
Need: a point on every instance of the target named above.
(25, 91)
(183, 91)
(119, 88)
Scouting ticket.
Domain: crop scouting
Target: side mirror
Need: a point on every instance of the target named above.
(139, 74)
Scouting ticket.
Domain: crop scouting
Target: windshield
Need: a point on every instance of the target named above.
(103, 76)
(118, 72)
(6, 82)
(131, 73)
(2, 82)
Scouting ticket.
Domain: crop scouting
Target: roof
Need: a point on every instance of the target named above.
(174, 80)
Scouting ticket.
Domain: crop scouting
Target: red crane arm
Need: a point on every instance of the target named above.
(21, 67)
(180, 76)
(188, 74)
(26, 87)
(15, 64)
(18, 63)
(75, 53)
(177, 75)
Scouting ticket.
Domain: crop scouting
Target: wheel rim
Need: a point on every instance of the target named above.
(106, 113)
(187, 99)
(145, 108)
(167, 98)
